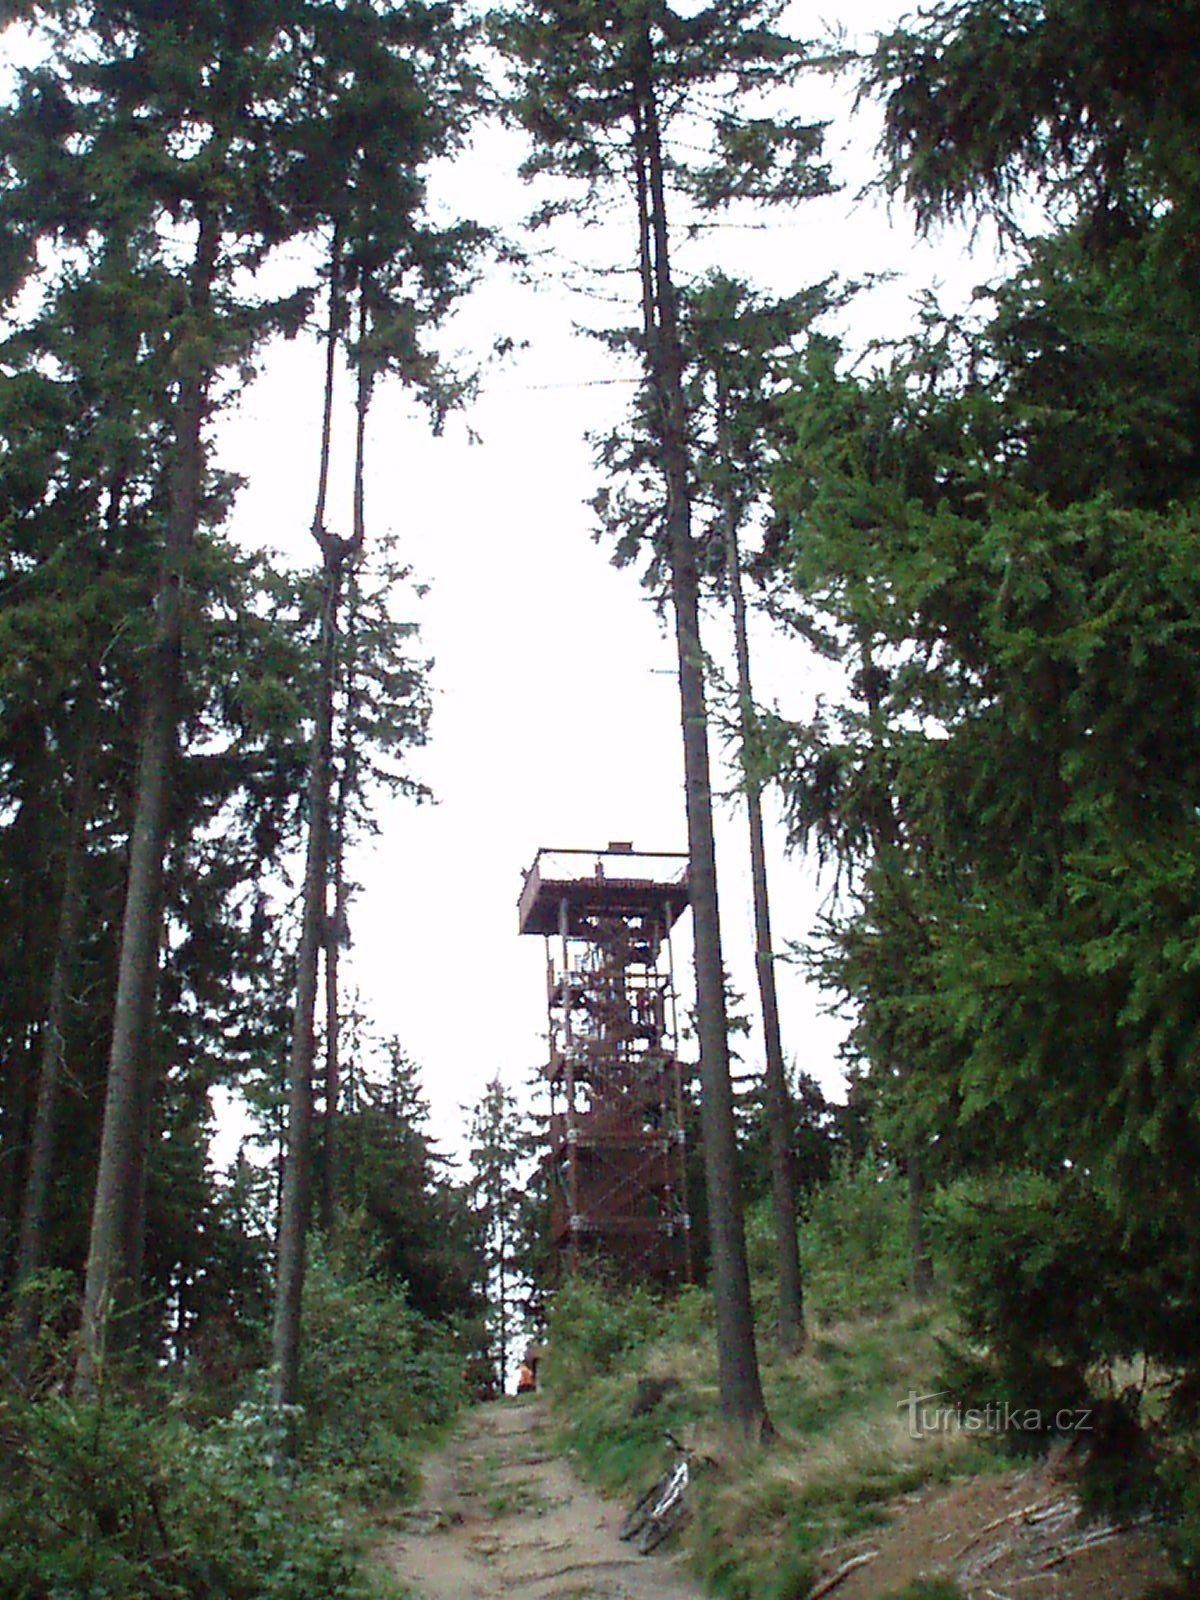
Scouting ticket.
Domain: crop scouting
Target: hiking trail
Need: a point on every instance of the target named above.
(500, 1515)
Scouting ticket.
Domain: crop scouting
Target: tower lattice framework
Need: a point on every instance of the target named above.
(616, 1156)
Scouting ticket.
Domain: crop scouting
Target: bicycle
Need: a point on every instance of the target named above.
(663, 1508)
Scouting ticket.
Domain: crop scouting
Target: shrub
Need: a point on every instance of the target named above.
(593, 1327)
(104, 1499)
(145, 1502)
(1033, 1258)
(854, 1242)
(376, 1376)
(1063, 1303)
(1180, 1479)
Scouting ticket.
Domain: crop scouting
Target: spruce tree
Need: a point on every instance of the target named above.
(498, 1149)
(163, 160)
(599, 89)
(995, 522)
(392, 276)
(737, 345)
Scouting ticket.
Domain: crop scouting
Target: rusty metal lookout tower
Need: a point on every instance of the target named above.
(616, 1153)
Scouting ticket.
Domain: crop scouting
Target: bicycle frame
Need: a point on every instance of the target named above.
(674, 1491)
(662, 1508)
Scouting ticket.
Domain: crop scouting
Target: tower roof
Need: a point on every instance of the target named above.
(617, 881)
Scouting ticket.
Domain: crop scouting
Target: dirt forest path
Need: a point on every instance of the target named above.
(500, 1516)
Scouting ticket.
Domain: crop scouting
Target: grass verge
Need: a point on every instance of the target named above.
(841, 1457)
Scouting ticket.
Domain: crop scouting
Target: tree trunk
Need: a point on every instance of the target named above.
(502, 1304)
(31, 839)
(295, 1195)
(149, 1129)
(108, 1285)
(297, 1176)
(742, 1402)
(777, 1101)
(334, 934)
(31, 1253)
(336, 553)
(336, 926)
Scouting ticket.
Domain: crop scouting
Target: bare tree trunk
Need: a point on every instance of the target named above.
(336, 555)
(333, 1022)
(30, 839)
(777, 1101)
(297, 1176)
(327, 1208)
(108, 1287)
(149, 1128)
(337, 923)
(108, 1284)
(503, 1299)
(742, 1402)
(31, 1251)
(295, 1193)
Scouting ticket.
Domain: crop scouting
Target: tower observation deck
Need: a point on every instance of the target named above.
(616, 1145)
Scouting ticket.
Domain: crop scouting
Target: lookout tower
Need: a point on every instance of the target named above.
(616, 1156)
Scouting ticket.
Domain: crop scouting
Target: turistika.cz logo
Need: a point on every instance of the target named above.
(934, 1413)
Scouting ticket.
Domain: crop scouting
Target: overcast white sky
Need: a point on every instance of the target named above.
(556, 711)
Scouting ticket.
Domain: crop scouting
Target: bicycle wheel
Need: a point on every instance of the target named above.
(661, 1527)
(636, 1519)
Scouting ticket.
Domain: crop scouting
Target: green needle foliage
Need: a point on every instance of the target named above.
(992, 528)
(1095, 103)
(163, 183)
(501, 1147)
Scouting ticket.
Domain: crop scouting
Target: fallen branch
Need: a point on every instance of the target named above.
(980, 1564)
(843, 1572)
(608, 1565)
(1067, 1508)
(1097, 1536)
(1029, 1513)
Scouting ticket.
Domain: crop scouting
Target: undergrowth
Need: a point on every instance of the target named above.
(145, 1494)
(622, 1370)
(377, 1381)
(109, 1498)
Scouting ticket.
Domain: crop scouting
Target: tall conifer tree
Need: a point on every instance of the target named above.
(499, 1144)
(599, 88)
(392, 276)
(170, 155)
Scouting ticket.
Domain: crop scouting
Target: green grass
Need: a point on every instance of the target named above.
(841, 1453)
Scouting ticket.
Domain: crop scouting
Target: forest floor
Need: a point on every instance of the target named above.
(501, 1515)
(1003, 1537)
